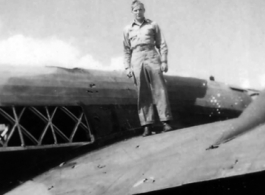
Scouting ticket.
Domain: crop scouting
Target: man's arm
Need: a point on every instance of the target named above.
(162, 47)
(127, 53)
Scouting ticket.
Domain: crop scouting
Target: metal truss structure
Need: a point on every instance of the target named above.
(24, 126)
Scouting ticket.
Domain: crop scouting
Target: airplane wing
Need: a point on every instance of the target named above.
(161, 161)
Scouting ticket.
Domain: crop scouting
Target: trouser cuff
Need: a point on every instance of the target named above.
(147, 123)
(166, 119)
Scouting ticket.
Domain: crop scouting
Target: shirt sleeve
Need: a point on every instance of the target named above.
(161, 44)
(126, 49)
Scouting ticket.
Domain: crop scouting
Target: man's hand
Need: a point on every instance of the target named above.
(129, 72)
(164, 67)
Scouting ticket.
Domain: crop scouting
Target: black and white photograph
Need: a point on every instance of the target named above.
(132, 97)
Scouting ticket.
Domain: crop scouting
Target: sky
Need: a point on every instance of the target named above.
(222, 38)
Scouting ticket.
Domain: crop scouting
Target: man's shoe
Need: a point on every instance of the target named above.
(147, 131)
(167, 127)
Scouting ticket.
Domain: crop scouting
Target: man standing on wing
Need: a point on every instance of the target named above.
(145, 52)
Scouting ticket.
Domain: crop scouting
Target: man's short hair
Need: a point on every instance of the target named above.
(135, 3)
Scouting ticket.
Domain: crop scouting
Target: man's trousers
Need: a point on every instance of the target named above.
(151, 87)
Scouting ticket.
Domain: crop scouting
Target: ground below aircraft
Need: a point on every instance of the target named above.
(48, 112)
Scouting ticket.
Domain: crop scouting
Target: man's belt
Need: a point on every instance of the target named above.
(143, 47)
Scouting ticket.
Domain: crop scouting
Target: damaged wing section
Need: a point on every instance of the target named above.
(32, 137)
(42, 125)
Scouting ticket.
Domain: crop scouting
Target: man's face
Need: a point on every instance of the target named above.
(138, 12)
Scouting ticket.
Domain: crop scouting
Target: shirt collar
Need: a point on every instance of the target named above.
(134, 23)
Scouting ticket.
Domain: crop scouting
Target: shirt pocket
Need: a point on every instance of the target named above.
(148, 31)
(132, 36)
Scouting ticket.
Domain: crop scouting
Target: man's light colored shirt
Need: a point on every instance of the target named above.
(148, 33)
